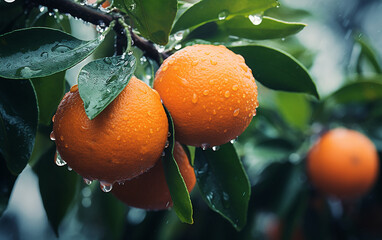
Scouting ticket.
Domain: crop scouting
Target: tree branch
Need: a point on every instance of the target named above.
(91, 15)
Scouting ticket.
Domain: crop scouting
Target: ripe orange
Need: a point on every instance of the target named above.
(123, 141)
(210, 93)
(149, 190)
(343, 163)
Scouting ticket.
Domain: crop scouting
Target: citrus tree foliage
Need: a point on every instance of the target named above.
(263, 171)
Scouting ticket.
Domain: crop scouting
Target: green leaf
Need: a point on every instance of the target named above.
(177, 186)
(370, 53)
(276, 69)
(223, 183)
(363, 91)
(58, 187)
(153, 18)
(211, 10)
(19, 117)
(49, 91)
(100, 81)
(241, 26)
(7, 180)
(39, 52)
(294, 108)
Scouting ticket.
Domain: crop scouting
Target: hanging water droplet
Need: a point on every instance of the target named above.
(168, 134)
(163, 154)
(256, 19)
(167, 144)
(234, 140)
(179, 35)
(222, 15)
(42, 9)
(215, 148)
(70, 169)
(52, 137)
(178, 46)
(105, 186)
(87, 181)
(204, 146)
(59, 161)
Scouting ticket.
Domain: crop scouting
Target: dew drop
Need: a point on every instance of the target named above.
(204, 146)
(215, 148)
(161, 49)
(194, 98)
(194, 63)
(179, 35)
(27, 72)
(236, 112)
(235, 87)
(214, 112)
(51, 136)
(234, 140)
(168, 134)
(151, 130)
(59, 161)
(44, 55)
(105, 186)
(62, 138)
(205, 92)
(163, 153)
(70, 169)
(178, 46)
(74, 88)
(213, 62)
(132, 6)
(256, 19)
(222, 15)
(66, 145)
(87, 181)
(227, 94)
(167, 144)
(61, 48)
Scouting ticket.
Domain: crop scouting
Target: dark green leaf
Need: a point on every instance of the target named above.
(363, 91)
(49, 91)
(58, 187)
(7, 180)
(9, 13)
(153, 18)
(276, 69)
(223, 183)
(100, 81)
(39, 52)
(176, 185)
(19, 114)
(241, 26)
(211, 10)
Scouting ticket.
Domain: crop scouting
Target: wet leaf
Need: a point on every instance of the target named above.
(241, 26)
(49, 91)
(276, 69)
(19, 117)
(213, 10)
(176, 185)
(153, 18)
(223, 183)
(39, 52)
(100, 81)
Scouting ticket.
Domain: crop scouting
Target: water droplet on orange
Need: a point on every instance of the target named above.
(236, 112)
(194, 63)
(205, 92)
(227, 94)
(235, 87)
(214, 112)
(62, 138)
(194, 98)
(66, 145)
(213, 62)
(164, 68)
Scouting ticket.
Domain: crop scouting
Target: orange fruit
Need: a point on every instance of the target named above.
(149, 190)
(123, 141)
(210, 93)
(343, 163)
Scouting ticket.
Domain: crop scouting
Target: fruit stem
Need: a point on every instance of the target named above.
(128, 34)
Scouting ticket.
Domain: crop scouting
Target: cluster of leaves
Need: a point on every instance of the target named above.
(37, 48)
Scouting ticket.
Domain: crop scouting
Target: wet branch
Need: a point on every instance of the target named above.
(96, 17)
